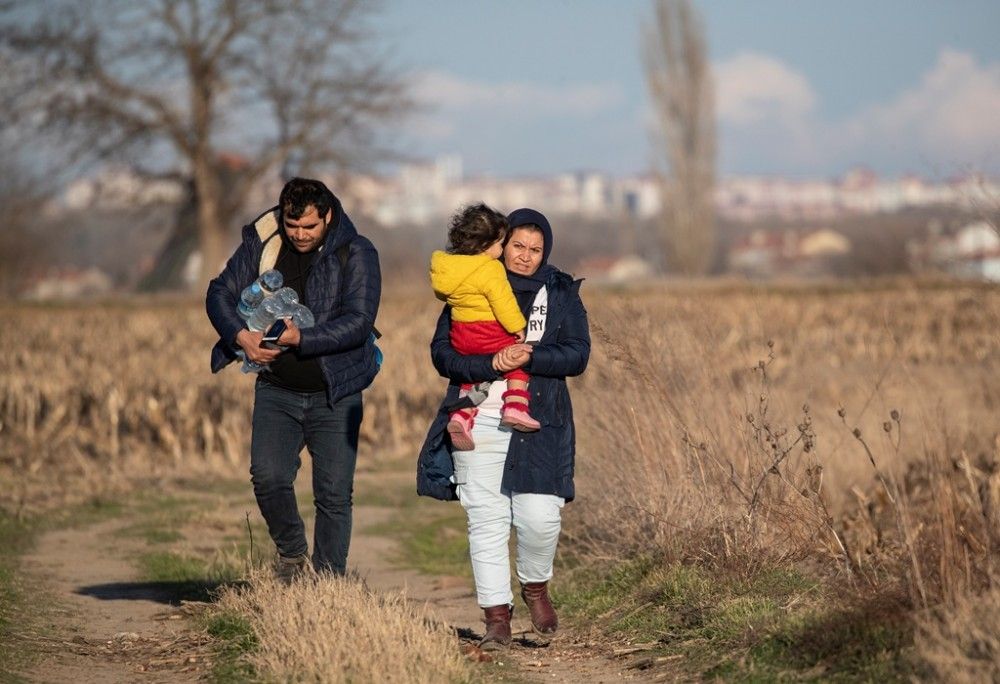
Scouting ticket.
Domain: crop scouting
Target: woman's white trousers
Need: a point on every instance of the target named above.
(492, 511)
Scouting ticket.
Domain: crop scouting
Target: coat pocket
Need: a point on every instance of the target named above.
(548, 404)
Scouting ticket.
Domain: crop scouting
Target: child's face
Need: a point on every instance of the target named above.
(495, 250)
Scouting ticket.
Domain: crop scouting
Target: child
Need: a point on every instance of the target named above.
(485, 316)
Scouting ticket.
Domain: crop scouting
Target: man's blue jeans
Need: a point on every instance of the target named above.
(283, 422)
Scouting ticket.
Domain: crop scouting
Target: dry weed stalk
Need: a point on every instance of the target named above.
(704, 469)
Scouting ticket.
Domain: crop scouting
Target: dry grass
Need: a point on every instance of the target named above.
(708, 407)
(861, 445)
(335, 630)
(852, 434)
(961, 643)
(94, 400)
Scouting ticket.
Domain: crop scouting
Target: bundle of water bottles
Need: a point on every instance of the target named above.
(263, 302)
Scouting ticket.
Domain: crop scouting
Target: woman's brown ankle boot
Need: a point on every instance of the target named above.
(543, 615)
(497, 627)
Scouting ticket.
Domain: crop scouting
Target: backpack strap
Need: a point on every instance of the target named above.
(267, 226)
(343, 252)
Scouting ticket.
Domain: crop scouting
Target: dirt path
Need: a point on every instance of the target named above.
(109, 626)
(571, 658)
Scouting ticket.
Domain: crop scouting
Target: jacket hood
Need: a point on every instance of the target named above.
(342, 231)
(523, 217)
(448, 271)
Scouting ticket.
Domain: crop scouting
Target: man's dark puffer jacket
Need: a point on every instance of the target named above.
(341, 338)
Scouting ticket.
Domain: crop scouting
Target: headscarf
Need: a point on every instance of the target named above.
(534, 282)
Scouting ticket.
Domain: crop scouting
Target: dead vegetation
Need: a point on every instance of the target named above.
(851, 435)
(97, 398)
(325, 629)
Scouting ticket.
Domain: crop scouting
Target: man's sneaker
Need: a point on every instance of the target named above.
(289, 568)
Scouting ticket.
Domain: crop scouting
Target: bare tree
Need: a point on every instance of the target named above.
(679, 80)
(22, 247)
(171, 86)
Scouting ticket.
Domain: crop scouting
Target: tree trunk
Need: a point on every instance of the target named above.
(211, 224)
(679, 80)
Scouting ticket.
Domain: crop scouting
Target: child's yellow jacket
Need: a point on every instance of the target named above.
(476, 287)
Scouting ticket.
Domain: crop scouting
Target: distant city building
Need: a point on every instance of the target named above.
(765, 253)
(68, 283)
(614, 269)
(427, 193)
(119, 187)
(972, 252)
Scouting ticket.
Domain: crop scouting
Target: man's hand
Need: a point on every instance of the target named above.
(511, 357)
(249, 341)
(292, 335)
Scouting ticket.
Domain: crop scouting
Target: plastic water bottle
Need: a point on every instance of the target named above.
(271, 302)
(302, 317)
(255, 293)
(266, 313)
(288, 297)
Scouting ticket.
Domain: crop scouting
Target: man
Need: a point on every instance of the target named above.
(311, 395)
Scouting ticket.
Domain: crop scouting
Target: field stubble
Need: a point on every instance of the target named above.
(849, 435)
(853, 433)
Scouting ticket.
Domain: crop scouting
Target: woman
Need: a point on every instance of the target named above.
(522, 478)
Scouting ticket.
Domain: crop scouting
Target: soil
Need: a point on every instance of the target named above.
(108, 626)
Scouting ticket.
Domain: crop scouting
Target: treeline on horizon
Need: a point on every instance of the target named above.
(124, 244)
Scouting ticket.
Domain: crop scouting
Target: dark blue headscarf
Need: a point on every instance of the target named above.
(534, 282)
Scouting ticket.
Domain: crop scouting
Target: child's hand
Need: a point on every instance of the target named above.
(514, 356)
(519, 335)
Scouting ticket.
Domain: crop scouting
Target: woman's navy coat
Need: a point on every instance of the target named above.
(345, 306)
(537, 462)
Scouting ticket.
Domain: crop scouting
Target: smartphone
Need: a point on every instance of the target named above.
(274, 332)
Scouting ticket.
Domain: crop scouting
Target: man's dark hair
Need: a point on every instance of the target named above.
(475, 228)
(301, 193)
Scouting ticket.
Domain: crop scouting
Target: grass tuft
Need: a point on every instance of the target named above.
(235, 642)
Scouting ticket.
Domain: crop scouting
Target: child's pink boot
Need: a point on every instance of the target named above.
(460, 429)
(515, 413)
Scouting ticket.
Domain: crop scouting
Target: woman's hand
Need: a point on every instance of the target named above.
(249, 341)
(512, 357)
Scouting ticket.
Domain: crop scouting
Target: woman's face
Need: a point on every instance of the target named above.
(523, 253)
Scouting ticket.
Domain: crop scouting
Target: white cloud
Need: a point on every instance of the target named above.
(752, 87)
(449, 91)
(451, 103)
(949, 119)
(953, 113)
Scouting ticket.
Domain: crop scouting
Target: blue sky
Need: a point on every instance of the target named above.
(803, 88)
